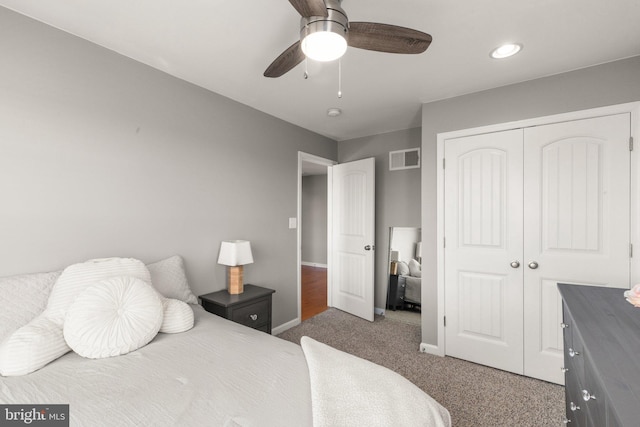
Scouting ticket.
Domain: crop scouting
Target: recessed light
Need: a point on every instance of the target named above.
(334, 112)
(506, 50)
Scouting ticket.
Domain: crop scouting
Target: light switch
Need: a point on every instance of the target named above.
(293, 222)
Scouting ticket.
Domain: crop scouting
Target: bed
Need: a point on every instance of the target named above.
(412, 289)
(216, 373)
(410, 280)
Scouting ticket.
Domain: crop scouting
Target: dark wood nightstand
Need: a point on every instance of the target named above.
(251, 308)
(395, 292)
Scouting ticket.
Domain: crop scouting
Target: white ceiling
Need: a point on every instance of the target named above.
(225, 46)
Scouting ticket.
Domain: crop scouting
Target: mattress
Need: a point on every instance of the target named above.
(413, 289)
(218, 373)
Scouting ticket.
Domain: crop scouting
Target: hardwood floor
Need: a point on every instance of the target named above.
(314, 291)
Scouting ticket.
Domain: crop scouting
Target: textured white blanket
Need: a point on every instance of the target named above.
(349, 391)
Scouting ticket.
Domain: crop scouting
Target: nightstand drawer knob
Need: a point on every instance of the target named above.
(253, 317)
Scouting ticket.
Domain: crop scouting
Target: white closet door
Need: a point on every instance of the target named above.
(483, 231)
(576, 224)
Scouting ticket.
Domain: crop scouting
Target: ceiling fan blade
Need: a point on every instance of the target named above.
(286, 61)
(309, 8)
(387, 38)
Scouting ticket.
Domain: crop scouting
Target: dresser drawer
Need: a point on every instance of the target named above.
(574, 355)
(575, 410)
(253, 315)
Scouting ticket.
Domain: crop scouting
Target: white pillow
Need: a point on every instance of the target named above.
(44, 337)
(169, 278)
(31, 347)
(22, 298)
(403, 268)
(177, 316)
(75, 278)
(113, 317)
(415, 269)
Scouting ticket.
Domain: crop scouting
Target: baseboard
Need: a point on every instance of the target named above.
(280, 329)
(313, 264)
(378, 310)
(431, 349)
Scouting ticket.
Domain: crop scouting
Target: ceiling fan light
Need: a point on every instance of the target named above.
(506, 50)
(324, 46)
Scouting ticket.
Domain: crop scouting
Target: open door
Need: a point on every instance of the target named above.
(351, 252)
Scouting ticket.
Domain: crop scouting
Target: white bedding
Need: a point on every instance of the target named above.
(224, 374)
(348, 391)
(412, 289)
(217, 374)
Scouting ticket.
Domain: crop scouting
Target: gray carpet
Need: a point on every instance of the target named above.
(406, 316)
(475, 395)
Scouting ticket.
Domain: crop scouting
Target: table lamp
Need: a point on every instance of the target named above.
(235, 254)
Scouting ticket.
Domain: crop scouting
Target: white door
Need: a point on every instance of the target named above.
(353, 237)
(483, 231)
(576, 224)
(524, 210)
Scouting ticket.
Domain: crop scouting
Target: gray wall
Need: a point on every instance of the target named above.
(102, 156)
(397, 192)
(314, 219)
(613, 83)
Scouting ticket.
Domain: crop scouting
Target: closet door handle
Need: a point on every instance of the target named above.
(533, 265)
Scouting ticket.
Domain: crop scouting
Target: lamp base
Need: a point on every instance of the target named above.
(236, 285)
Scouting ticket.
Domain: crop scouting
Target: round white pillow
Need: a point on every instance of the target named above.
(177, 316)
(113, 317)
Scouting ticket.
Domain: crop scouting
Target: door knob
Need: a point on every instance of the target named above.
(533, 265)
(367, 248)
(515, 264)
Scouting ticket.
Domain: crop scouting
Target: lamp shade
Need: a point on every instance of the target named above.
(419, 250)
(324, 46)
(235, 252)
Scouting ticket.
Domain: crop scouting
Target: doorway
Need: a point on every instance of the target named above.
(350, 233)
(313, 215)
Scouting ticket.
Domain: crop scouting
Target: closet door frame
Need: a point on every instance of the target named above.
(633, 108)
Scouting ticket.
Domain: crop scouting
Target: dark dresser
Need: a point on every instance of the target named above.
(602, 357)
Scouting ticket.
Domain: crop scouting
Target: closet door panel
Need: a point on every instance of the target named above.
(483, 231)
(576, 224)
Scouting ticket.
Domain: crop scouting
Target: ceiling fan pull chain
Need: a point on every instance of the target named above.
(306, 72)
(339, 78)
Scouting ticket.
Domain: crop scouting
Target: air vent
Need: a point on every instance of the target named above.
(404, 159)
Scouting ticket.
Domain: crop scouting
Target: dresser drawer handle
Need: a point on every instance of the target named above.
(253, 317)
(564, 325)
(573, 353)
(574, 407)
(586, 396)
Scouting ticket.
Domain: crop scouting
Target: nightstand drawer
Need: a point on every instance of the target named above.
(253, 315)
(251, 308)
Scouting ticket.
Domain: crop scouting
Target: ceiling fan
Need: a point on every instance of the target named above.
(325, 33)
